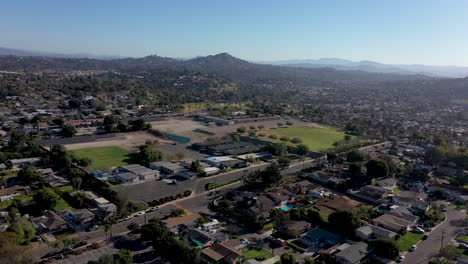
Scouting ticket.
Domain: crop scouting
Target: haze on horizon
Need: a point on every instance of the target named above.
(427, 32)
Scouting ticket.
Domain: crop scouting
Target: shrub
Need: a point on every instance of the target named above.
(273, 136)
(284, 139)
(296, 140)
(187, 193)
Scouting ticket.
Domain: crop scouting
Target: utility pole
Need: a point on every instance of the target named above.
(442, 240)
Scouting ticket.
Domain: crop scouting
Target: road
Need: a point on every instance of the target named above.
(450, 228)
(152, 190)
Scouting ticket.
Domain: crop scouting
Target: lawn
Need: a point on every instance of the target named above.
(316, 138)
(62, 205)
(407, 240)
(463, 238)
(105, 157)
(257, 253)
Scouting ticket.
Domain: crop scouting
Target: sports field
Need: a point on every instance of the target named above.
(316, 138)
(105, 157)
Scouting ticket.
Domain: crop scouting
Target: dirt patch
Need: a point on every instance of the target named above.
(128, 141)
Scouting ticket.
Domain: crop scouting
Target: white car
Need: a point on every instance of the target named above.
(244, 241)
(413, 248)
(463, 245)
(128, 217)
(152, 209)
(142, 213)
(400, 259)
(419, 230)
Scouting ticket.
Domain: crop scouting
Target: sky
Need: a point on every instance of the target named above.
(432, 32)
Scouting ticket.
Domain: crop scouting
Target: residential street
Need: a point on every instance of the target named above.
(451, 227)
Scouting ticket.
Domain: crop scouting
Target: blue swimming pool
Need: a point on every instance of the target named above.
(286, 207)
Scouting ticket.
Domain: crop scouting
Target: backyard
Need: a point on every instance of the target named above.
(257, 253)
(316, 138)
(407, 240)
(105, 157)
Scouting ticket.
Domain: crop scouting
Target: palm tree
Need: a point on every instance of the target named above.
(109, 222)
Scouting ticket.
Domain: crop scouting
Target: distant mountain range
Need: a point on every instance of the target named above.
(20, 52)
(371, 66)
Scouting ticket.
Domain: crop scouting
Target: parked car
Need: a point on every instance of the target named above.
(413, 248)
(142, 213)
(94, 227)
(244, 241)
(152, 209)
(419, 230)
(400, 259)
(425, 236)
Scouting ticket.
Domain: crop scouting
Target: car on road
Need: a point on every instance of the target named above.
(463, 245)
(141, 213)
(128, 217)
(413, 248)
(400, 259)
(152, 209)
(425, 236)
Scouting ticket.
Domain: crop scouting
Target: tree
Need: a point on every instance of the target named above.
(138, 125)
(147, 154)
(313, 217)
(356, 156)
(385, 248)
(241, 130)
(284, 161)
(347, 139)
(344, 222)
(280, 124)
(80, 198)
(308, 260)
(68, 131)
(30, 175)
(355, 169)
(24, 230)
(11, 252)
(288, 258)
(459, 180)
(46, 198)
(376, 168)
(74, 103)
(302, 149)
(76, 182)
(123, 256)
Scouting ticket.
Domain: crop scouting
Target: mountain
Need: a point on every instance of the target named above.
(20, 52)
(371, 66)
(222, 64)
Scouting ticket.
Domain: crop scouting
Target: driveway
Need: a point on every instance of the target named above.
(449, 229)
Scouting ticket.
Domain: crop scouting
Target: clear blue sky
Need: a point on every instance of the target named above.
(410, 31)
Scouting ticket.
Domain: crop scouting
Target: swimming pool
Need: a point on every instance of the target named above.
(286, 207)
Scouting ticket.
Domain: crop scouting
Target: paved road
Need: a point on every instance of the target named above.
(152, 190)
(451, 227)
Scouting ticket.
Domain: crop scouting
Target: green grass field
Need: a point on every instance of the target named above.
(105, 157)
(316, 138)
(253, 253)
(407, 240)
(62, 205)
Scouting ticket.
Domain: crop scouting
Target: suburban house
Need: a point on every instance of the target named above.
(392, 223)
(79, 218)
(387, 183)
(51, 179)
(186, 174)
(18, 164)
(351, 252)
(199, 238)
(375, 192)
(165, 167)
(320, 238)
(416, 200)
(10, 193)
(281, 197)
(49, 221)
(368, 231)
(403, 212)
(320, 177)
(220, 253)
